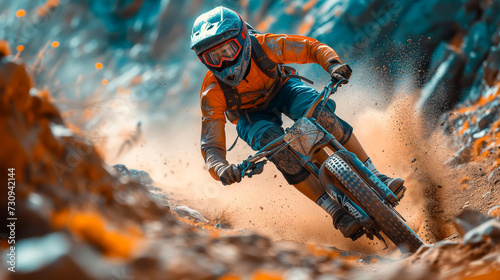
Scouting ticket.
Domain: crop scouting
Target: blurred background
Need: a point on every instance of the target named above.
(423, 92)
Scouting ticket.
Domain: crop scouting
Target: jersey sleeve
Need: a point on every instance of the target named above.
(212, 100)
(213, 139)
(285, 49)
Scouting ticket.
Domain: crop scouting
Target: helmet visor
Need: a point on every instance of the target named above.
(227, 51)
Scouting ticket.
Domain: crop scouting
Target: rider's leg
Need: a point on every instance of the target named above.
(396, 185)
(310, 186)
(342, 220)
(353, 146)
(258, 134)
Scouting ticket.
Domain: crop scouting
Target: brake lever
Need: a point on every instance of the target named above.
(338, 83)
(243, 167)
(259, 167)
(249, 169)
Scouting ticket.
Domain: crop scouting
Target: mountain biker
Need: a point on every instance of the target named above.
(247, 85)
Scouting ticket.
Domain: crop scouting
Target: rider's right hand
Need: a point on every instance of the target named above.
(229, 174)
(340, 72)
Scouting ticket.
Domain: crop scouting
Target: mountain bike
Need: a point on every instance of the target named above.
(343, 176)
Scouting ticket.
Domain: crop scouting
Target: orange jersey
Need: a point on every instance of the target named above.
(281, 49)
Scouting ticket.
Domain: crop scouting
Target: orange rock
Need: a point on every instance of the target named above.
(14, 87)
(465, 126)
(215, 234)
(494, 212)
(92, 228)
(321, 252)
(60, 218)
(4, 245)
(266, 275)
(479, 144)
(230, 277)
(492, 274)
(465, 179)
(4, 48)
(44, 109)
(334, 254)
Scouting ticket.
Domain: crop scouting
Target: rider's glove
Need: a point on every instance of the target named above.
(340, 71)
(228, 174)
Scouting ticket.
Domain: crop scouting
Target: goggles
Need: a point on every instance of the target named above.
(227, 51)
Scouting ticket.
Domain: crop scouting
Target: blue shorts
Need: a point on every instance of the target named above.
(257, 129)
(293, 100)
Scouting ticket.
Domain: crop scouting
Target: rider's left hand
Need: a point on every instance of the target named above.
(229, 174)
(340, 71)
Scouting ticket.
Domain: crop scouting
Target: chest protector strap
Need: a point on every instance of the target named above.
(269, 68)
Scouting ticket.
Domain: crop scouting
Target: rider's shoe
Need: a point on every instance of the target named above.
(346, 223)
(396, 185)
(349, 227)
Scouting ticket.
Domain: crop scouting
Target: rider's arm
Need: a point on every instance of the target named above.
(297, 49)
(213, 137)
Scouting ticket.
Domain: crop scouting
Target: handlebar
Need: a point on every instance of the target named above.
(330, 89)
(252, 165)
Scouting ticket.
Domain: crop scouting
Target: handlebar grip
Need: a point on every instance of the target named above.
(339, 82)
(240, 167)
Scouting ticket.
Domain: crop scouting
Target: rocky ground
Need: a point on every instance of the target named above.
(79, 218)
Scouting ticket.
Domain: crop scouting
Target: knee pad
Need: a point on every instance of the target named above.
(339, 128)
(286, 163)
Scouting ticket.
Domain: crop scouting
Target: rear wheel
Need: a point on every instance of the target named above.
(388, 221)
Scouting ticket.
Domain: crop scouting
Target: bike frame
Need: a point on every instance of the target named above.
(253, 165)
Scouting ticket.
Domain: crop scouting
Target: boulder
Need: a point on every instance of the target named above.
(191, 214)
(470, 95)
(487, 231)
(492, 66)
(139, 176)
(467, 13)
(439, 55)
(486, 120)
(475, 47)
(58, 256)
(468, 220)
(421, 21)
(463, 155)
(440, 94)
(494, 176)
(494, 211)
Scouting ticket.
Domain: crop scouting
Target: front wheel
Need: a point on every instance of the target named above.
(388, 221)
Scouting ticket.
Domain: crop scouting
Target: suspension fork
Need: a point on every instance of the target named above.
(327, 141)
(333, 191)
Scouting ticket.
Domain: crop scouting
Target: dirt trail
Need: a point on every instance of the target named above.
(267, 205)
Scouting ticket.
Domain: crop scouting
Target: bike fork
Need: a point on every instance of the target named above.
(343, 200)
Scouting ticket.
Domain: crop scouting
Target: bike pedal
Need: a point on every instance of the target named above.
(400, 192)
(357, 234)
